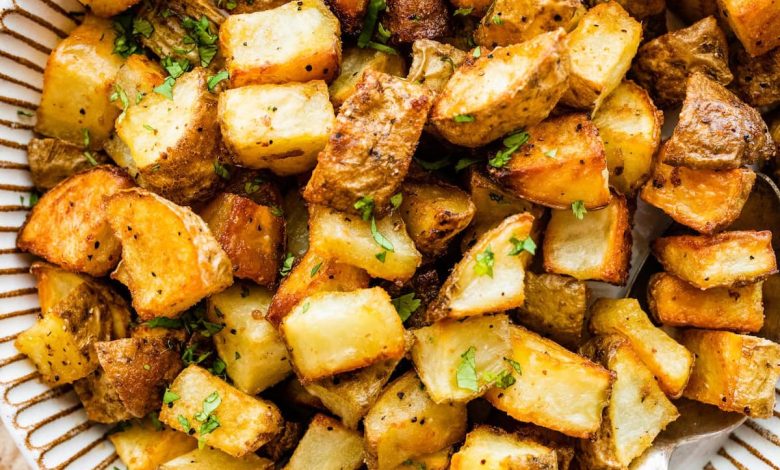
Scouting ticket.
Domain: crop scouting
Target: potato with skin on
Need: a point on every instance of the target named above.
(510, 88)
(601, 49)
(639, 9)
(637, 412)
(170, 260)
(433, 63)
(266, 46)
(354, 62)
(410, 20)
(296, 221)
(662, 65)
(279, 127)
(563, 162)
(558, 389)
(725, 259)
(669, 362)
(476, 8)
(245, 422)
(350, 14)
(77, 82)
(510, 22)
(555, 306)
(53, 160)
(372, 143)
(100, 399)
(137, 77)
(208, 458)
(674, 302)
(493, 448)
(108, 8)
(327, 445)
(405, 423)
(69, 224)
(754, 22)
(143, 447)
(756, 79)
(597, 247)
(733, 372)
(629, 125)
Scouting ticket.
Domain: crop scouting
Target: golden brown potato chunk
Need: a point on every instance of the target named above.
(733, 372)
(492, 448)
(354, 62)
(716, 130)
(369, 152)
(409, 20)
(755, 23)
(209, 458)
(725, 259)
(138, 76)
(350, 14)
(144, 447)
(69, 225)
(53, 160)
(510, 22)
(663, 64)
(327, 445)
(509, 88)
(639, 9)
(100, 399)
(108, 8)
(757, 79)
(433, 63)
(555, 306)
(674, 302)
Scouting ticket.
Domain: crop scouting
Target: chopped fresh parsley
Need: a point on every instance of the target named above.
(316, 269)
(551, 153)
(154, 417)
(434, 165)
(466, 374)
(476, 52)
(515, 365)
(463, 118)
(166, 88)
(527, 244)
(221, 170)
(277, 211)
(149, 128)
(406, 305)
(396, 200)
(251, 187)
(119, 94)
(192, 321)
(464, 163)
(381, 256)
(215, 79)
(218, 367)
(305, 307)
(379, 238)
(165, 322)
(497, 19)
(175, 67)
(365, 205)
(578, 207)
(87, 153)
(23, 112)
(382, 34)
(185, 423)
(485, 260)
(463, 11)
(287, 265)
(126, 41)
(502, 379)
(370, 29)
(511, 143)
(143, 27)
(169, 397)
(202, 36)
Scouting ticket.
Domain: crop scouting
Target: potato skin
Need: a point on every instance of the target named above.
(53, 160)
(433, 63)
(409, 20)
(108, 8)
(754, 22)
(555, 306)
(640, 9)
(510, 22)
(350, 13)
(354, 62)
(757, 79)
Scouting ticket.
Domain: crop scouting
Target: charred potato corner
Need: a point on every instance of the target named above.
(344, 234)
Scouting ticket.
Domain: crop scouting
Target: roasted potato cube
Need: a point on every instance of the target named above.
(492, 448)
(208, 458)
(266, 46)
(754, 22)
(350, 14)
(357, 60)
(733, 372)
(327, 445)
(296, 223)
(663, 64)
(555, 307)
(440, 350)
(108, 8)
(174, 143)
(476, 8)
(77, 82)
(597, 247)
(629, 124)
(100, 399)
(333, 332)
(369, 152)
(510, 22)
(771, 300)
(667, 360)
(757, 79)
(143, 447)
(638, 409)
(674, 302)
(513, 87)
(77, 311)
(347, 239)
(252, 350)
(716, 130)
(640, 9)
(563, 162)
(280, 127)
(601, 49)
(409, 20)
(558, 389)
(251, 235)
(405, 424)
(245, 422)
(53, 160)
(170, 260)
(137, 77)
(489, 278)
(433, 63)
(725, 259)
(705, 200)
(68, 226)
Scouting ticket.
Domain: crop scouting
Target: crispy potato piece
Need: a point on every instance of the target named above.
(347, 239)
(143, 447)
(77, 311)
(327, 445)
(638, 409)
(209, 459)
(357, 60)
(68, 226)
(674, 302)
(78, 79)
(510, 22)
(601, 49)
(296, 222)
(705, 200)
(369, 152)
(555, 306)
(253, 352)
(334, 332)
(409, 20)
(639, 9)
(433, 63)
(53, 160)
(138, 76)
(513, 87)
(108, 8)
(598, 247)
(251, 235)
(733, 372)
(246, 422)
(176, 158)
(440, 349)
(266, 46)
(558, 389)
(280, 127)
(562, 162)
(170, 260)
(754, 22)
(629, 124)
(663, 64)
(477, 7)
(716, 130)
(771, 300)
(405, 424)
(757, 79)
(725, 259)
(563, 445)
(251, 6)
(667, 360)
(694, 10)
(350, 14)
(100, 399)
(492, 448)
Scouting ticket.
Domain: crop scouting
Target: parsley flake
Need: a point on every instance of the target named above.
(463, 11)
(578, 207)
(497, 20)
(365, 205)
(166, 88)
(551, 153)
(184, 423)
(215, 79)
(406, 305)
(287, 265)
(476, 52)
(463, 118)
(466, 374)
(221, 170)
(515, 365)
(379, 238)
(169, 396)
(464, 163)
(527, 244)
(316, 269)
(485, 260)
